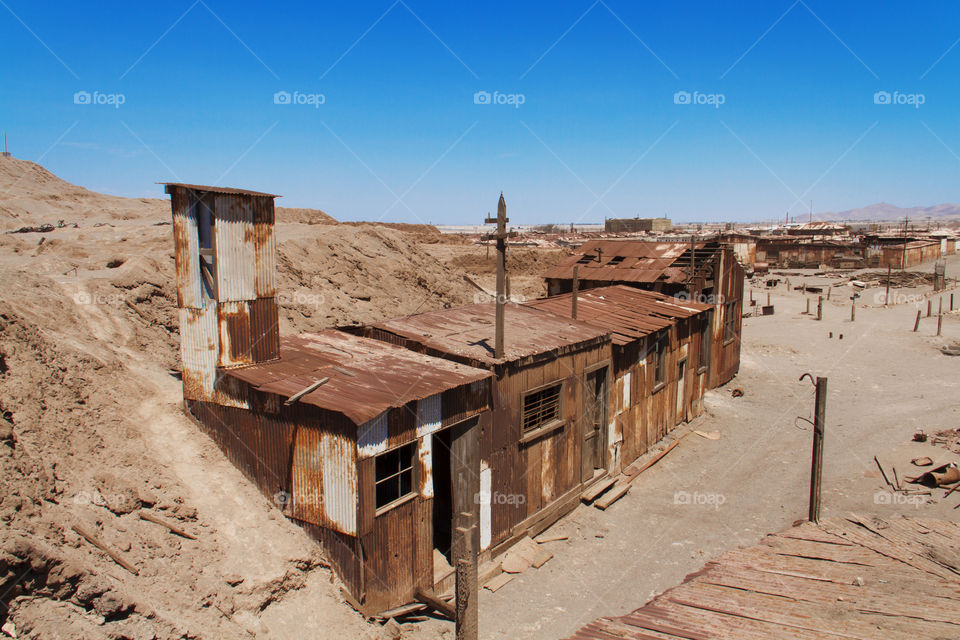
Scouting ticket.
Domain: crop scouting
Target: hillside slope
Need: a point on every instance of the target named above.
(93, 432)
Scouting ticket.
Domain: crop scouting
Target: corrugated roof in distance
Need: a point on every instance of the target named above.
(366, 376)
(629, 313)
(625, 261)
(469, 331)
(211, 189)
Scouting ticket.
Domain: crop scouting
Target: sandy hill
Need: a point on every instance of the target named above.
(30, 196)
(92, 431)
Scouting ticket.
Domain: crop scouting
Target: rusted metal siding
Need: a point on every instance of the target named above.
(198, 351)
(235, 337)
(185, 251)
(725, 359)
(264, 329)
(264, 248)
(236, 257)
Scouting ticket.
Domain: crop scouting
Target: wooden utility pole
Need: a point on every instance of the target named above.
(576, 292)
(501, 237)
(816, 467)
(886, 297)
(465, 458)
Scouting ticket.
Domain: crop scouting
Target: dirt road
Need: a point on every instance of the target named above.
(709, 496)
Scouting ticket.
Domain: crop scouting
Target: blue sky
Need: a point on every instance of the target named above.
(602, 129)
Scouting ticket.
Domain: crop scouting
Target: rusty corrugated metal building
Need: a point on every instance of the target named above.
(546, 437)
(661, 362)
(702, 271)
(351, 436)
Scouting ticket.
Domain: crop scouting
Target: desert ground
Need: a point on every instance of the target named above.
(93, 432)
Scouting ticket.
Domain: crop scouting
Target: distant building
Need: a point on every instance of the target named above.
(633, 225)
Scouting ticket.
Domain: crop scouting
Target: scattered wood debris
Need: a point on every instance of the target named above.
(709, 435)
(496, 583)
(523, 555)
(615, 494)
(548, 537)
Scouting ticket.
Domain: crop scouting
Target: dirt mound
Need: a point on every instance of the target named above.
(92, 431)
(303, 216)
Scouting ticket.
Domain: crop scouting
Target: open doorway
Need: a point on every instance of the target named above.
(442, 494)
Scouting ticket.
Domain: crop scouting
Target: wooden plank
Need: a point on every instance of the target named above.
(597, 488)
(499, 581)
(615, 494)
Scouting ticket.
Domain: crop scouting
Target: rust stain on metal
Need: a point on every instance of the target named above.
(384, 375)
(627, 312)
(469, 331)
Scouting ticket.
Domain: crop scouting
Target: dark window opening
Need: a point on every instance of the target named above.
(586, 259)
(659, 368)
(203, 214)
(615, 260)
(394, 474)
(542, 407)
(706, 342)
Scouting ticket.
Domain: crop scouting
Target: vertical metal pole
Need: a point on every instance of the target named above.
(816, 468)
(576, 292)
(886, 298)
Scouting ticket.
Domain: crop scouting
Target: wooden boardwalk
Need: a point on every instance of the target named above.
(856, 577)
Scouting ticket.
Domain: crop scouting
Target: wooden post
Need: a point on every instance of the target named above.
(808, 307)
(819, 307)
(829, 291)
(768, 298)
(853, 310)
(939, 324)
(816, 467)
(940, 312)
(751, 297)
(886, 298)
(501, 237)
(576, 292)
(916, 325)
(951, 302)
(465, 460)
(929, 306)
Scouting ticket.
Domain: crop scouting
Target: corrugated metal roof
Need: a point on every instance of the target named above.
(366, 376)
(212, 189)
(469, 331)
(854, 577)
(629, 313)
(625, 261)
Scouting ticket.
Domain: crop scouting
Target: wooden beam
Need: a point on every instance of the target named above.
(305, 391)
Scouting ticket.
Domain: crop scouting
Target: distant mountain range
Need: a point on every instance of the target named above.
(883, 211)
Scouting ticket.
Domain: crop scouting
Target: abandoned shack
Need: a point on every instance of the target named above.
(547, 438)
(661, 361)
(351, 436)
(706, 272)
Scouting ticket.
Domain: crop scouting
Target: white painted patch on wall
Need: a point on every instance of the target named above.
(485, 487)
(372, 436)
(626, 389)
(429, 414)
(425, 452)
